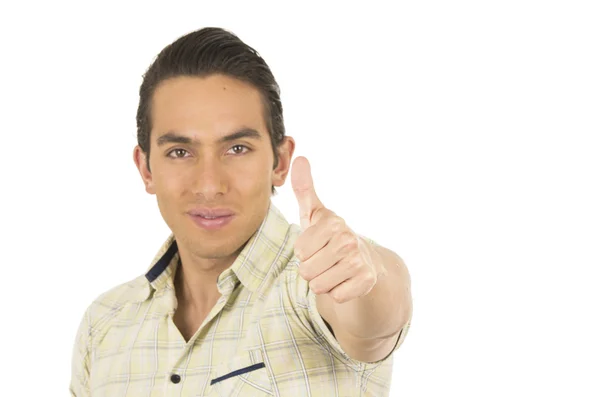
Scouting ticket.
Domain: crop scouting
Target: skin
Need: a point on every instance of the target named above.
(209, 173)
(363, 292)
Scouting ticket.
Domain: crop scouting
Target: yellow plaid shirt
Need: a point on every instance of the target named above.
(264, 336)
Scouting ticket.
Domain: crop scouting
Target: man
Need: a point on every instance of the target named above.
(238, 302)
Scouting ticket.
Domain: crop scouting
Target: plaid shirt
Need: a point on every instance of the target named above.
(263, 337)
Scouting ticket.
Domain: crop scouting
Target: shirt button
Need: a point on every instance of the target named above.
(175, 378)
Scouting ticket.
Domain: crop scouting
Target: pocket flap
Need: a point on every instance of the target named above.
(238, 372)
(244, 375)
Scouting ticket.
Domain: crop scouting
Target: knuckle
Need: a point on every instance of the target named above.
(337, 297)
(370, 279)
(337, 224)
(355, 266)
(350, 241)
(303, 272)
(316, 288)
(299, 251)
(355, 259)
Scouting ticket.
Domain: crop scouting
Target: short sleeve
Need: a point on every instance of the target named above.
(80, 362)
(306, 301)
(406, 326)
(400, 338)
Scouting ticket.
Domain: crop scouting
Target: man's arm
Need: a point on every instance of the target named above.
(80, 364)
(368, 327)
(362, 289)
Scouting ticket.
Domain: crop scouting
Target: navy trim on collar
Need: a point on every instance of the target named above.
(162, 263)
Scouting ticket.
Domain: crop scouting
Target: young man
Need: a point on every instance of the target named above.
(238, 302)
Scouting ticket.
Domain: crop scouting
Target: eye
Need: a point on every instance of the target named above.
(176, 151)
(240, 150)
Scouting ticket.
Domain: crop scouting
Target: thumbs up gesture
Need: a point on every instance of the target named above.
(333, 259)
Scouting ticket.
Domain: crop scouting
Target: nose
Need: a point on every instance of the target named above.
(209, 178)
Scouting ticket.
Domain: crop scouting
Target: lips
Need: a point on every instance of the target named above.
(211, 213)
(211, 224)
(211, 219)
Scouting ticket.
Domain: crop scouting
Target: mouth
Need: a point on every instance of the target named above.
(211, 213)
(211, 223)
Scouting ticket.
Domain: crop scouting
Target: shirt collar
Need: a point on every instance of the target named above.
(250, 267)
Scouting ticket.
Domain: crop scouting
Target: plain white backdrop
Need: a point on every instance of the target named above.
(463, 135)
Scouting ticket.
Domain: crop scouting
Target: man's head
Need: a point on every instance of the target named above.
(211, 136)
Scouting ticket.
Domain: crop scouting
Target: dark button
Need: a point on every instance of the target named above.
(175, 378)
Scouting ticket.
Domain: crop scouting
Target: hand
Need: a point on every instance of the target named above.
(334, 259)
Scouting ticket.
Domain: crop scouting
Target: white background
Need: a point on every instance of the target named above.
(464, 135)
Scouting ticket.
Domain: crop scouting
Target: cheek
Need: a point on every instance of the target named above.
(169, 184)
(252, 177)
(247, 181)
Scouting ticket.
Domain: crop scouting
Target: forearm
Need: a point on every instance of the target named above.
(386, 308)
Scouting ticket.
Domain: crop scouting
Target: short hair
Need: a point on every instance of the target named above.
(203, 53)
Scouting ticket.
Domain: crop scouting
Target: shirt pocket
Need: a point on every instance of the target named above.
(244, 375)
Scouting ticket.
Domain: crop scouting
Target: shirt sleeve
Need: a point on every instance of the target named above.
(307, 300)
(80, 363)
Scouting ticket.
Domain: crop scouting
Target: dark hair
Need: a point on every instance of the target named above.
(202, 53)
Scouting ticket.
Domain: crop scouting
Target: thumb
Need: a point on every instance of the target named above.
(304, 189)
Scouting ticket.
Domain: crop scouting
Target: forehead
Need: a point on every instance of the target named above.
(215, 104)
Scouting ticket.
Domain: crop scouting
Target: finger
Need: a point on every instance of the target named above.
(311, 240)
(348, 290)
(318, 263)
(302, 183)
(332, 277)
(318, 238)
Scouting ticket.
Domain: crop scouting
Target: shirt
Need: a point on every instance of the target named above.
(263, 337)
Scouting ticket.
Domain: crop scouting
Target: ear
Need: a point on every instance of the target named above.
(285, 152)
(139, 158)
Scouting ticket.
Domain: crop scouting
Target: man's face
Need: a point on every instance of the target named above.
(193, 167)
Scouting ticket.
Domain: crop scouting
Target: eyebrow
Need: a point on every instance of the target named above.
(173, 137)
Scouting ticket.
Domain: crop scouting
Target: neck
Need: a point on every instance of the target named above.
(196, 279)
